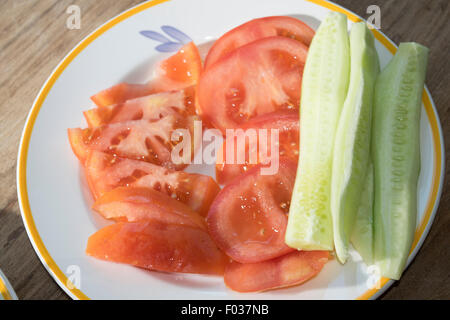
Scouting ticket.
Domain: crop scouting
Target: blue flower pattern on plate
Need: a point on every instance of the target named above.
(167, 45)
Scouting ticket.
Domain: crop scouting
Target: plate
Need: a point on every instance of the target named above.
(53, 195)
(6, 290)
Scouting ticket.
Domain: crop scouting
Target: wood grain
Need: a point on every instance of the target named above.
(34, 38)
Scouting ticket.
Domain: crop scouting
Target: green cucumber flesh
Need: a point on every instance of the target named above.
(362, 234)
(396, 156)
(324, 88)
(352, 143)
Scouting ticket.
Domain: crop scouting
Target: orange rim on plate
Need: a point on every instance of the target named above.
(6, 290)
(27, 216)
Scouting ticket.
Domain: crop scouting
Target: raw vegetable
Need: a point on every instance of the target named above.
(248, 218)
(352, 142)
(77, 143)
(147, 140)
(149, 107)
(158, 246)
(291, 269)
(325, 82)
(121, 92)
(137, 203)
(258, 78)
(104, 172)
(354, 182)
(176, 72)
(396, 151)
(287, 124)
(362, 234)
(258, 29)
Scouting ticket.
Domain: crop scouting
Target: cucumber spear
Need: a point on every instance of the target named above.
(352, 144)
(324, 87)
(396, 155)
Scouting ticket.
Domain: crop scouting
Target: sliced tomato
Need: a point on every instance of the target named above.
(287, 123)
(291, 269)
(182, 69)
(258, 29)
(177, 72)
(138, 203)
(105, 172)
(158, 246)
(76, 139)
(248, 218)
(147, 140)
(258, 78)
(151, 107)
(122, 92)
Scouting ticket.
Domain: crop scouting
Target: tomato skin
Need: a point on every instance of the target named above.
(120, 93)
(129, 204)
(151, 107)
(291, 269)
(261, 77)
(76, 139)
(288, 124)
(177, 72)
(158, 246)
(248, 218)
(104, 172)
(258, 29)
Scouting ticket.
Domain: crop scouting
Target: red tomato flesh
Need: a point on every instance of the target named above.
(291, 269)
(105, 172)
(248, 218)
(177, 72)
(151, 107)
(258, 29)
(147, 140)
(287, 123)
(258, 78)
(137, 203)
(158, 246)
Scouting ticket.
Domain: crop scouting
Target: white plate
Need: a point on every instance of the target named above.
(52, 192)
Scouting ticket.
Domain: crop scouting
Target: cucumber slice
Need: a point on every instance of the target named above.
(396, 156)
(352, 142)
(324, 87)
(362, 235)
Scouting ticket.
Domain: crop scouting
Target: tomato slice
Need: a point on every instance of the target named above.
(248, 218)
(158, 246)
(261, 77)
(76, 139)
(138, 203)
(287, 123)
(105, 172)
(177, 72)
(151, 107)
(258, 29)
(122, 92)
(291, 269)
(147, 140)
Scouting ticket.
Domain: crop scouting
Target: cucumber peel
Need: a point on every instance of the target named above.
(324, 88)
(352, 143)
(396, 156)
(362, 234)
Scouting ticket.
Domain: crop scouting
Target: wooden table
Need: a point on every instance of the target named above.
(34, 38)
